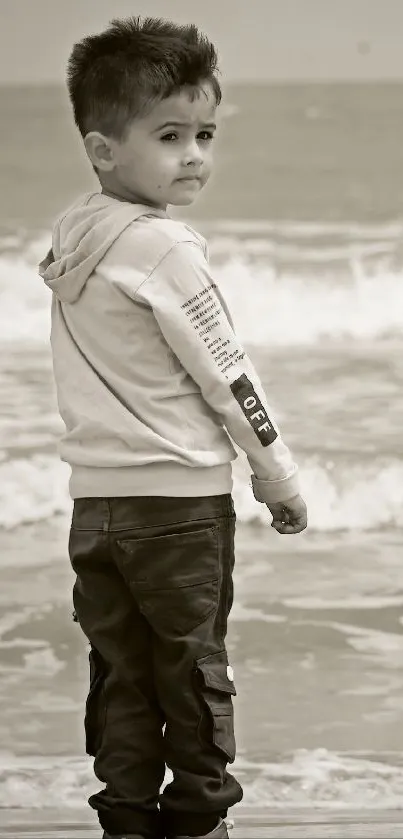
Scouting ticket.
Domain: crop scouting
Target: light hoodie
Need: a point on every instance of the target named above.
(151, 380)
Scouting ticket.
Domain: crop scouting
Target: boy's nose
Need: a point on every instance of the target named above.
(193, 156)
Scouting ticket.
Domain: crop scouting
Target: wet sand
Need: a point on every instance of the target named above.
(250, 823)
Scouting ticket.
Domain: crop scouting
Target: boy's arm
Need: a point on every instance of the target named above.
(196, 323)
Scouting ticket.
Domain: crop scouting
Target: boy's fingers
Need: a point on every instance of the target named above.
(290, 517)
(284, 527)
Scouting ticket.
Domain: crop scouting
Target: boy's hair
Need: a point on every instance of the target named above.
(122, 72)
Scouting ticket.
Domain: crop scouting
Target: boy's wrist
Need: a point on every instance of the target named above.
(275, 491)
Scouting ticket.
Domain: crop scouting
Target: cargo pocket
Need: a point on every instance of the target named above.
(217, 688)
(95, 709)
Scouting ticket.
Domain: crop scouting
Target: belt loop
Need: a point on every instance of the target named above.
(106, 515)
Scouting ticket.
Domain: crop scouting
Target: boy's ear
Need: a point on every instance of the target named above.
(100, 151)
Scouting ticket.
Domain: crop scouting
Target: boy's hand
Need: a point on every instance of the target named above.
(289, 516)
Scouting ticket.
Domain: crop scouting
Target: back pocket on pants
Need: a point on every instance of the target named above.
(174, 577)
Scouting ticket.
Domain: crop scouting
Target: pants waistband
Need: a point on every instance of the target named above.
(147, 511)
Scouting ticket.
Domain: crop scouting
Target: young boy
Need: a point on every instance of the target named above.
(150, 377)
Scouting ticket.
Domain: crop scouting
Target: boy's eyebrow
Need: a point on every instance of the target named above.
(183, 124)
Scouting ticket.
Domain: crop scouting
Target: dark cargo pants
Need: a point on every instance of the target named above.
(153, 593)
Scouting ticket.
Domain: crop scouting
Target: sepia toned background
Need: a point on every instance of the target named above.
(303, 216)
(261, 40)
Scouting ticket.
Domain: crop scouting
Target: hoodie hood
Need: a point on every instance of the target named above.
(81, 238)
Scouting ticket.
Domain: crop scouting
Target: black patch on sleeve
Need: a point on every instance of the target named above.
(253, 410)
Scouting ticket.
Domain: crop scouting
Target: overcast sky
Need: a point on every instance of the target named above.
(256, 39)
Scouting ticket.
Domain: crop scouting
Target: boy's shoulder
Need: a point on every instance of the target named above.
(151, 237)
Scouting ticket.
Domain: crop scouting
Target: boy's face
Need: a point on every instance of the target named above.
(172, 142)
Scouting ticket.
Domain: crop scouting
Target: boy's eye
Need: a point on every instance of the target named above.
(169, 136)
(208, 135)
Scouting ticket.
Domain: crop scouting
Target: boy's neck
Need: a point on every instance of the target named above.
(132, 200)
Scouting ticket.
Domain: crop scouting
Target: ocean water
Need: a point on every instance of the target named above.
(304, 219)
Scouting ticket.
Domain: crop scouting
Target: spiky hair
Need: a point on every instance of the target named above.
(119, 74)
